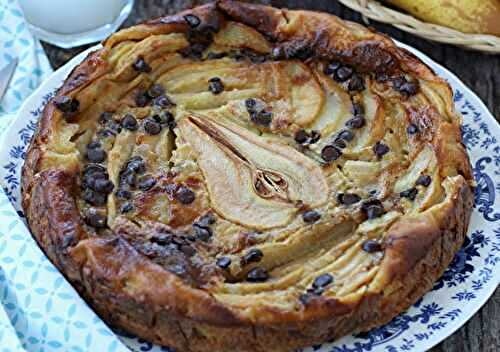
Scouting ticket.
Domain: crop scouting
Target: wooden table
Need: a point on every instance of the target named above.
(478, 71)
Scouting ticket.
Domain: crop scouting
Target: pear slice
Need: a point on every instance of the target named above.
(251, 180)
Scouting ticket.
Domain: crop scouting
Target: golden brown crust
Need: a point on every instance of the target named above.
(140, 296)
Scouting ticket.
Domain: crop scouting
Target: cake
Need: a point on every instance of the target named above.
(238, 177)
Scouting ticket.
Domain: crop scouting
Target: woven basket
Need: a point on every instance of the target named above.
(376, 11)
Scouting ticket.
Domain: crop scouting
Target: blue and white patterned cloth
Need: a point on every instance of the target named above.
(39, 310)
(17, 41)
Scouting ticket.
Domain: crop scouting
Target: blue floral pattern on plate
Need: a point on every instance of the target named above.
(465, 286)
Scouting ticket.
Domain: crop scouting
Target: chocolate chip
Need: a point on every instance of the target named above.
(254, 255)
(263, 118)
(348, 198)
(409, 89)
(206, 220)
(311, 216)
(194, 51)
(322, 280)
(192, 20)
(257, 113)
(412, 129)
(343, 73)
(95, 218)
(339, 143)
(115, 126)
(202, 233)
(164, 117)
(178, 240)
(346, 135)
(141, 99)
(126, 207)
(371, 246)
(90, 169)
(356, 83)
(223, 262)
(66, 104)
(301, 136)
(129, 178)
(89, 180)
(96, 155)
(105, 117)
(169, 117)
(184, 195)
(140, 65)
(250, 104)
(356, 122)
(398, 82)
(306, 298)
(136, 164)
(123, 194)
(163, 101)
(146, 183)
(155, 91)
(371, 202)
(405, 87)
(381, 77)
(158, 118)
(103, 186)
(315, 136)
(373, 208)
(330, 153)
(331, 68)
(151, 126)
(93, 171)
(213, 56)
(162, 239)
(94, 145)
(257, 275)
(358, 109)
(187, 250)
(129, 122)
(380, 149)
(93, 197)
(411, 193)
(215, 85)
(424, 180)
(299, 49)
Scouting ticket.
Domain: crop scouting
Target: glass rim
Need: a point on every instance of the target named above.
(97, 34)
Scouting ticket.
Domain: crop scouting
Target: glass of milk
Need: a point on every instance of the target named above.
(69, 23)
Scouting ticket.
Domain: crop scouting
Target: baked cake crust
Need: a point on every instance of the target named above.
(132, 292)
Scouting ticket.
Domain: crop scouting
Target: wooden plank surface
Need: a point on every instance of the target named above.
(478, 71)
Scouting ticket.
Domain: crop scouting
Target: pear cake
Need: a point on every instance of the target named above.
(238, 177)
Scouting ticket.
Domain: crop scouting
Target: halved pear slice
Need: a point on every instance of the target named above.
(251, 180)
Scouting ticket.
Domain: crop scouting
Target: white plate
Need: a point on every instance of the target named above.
(467, 284)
